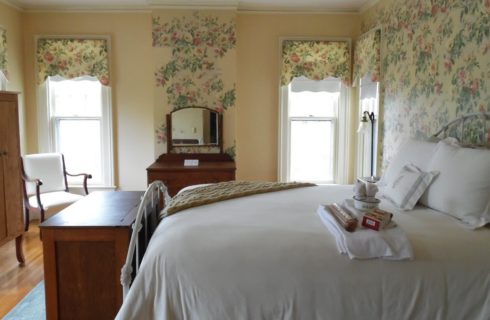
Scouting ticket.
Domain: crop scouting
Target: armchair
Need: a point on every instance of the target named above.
(45, 186)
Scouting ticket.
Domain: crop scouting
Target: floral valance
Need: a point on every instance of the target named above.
(3, 52)
(315, 60)
(72, 58)
(367, 56)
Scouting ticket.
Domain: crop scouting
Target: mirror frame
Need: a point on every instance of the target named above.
(171, 146)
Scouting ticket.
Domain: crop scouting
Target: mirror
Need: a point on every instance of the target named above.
(194, 126)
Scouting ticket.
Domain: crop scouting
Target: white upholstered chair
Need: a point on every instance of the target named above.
(45, 185)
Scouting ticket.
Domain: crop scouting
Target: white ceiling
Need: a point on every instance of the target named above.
(246, 5)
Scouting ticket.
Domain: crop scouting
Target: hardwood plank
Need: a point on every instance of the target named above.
(15, 281)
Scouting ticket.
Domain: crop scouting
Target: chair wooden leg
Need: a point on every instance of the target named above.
(26, 220)
(19, 250)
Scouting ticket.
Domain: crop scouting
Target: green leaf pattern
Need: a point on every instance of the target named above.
(435, 64)
(3, 52)
(191, 76)
(72, 58)
(367, 58)
(315, 60)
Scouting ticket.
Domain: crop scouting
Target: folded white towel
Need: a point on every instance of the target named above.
(390, 244)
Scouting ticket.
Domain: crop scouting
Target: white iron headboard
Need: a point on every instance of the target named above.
(472, 130)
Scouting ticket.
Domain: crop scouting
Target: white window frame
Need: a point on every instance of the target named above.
(46, 123)
(363, 167)
(341, 125)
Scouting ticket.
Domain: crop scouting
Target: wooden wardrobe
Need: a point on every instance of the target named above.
(11, 213)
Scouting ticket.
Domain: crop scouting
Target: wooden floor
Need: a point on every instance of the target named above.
(15, 281)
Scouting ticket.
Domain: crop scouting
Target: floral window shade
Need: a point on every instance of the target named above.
(72, 58)
(367, 56)
(315, 60)
(3, 52)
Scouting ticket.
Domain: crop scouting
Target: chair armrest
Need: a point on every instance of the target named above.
(38, 183)
(85, 177)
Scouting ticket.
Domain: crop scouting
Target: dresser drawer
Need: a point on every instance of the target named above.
(175, 176)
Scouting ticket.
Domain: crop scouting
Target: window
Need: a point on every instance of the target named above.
(78, 114)
(368, 101)
(313, 126)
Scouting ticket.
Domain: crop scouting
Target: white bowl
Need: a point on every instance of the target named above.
(365, 203)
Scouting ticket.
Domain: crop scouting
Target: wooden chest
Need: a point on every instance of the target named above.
(85, 247)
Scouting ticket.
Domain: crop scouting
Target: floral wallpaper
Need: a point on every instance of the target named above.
(367, 58)
(192, 49)
(3, 52)
(71, 58)
(315, 60)
(435, 64)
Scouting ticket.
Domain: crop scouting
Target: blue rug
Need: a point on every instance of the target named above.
(32, 307)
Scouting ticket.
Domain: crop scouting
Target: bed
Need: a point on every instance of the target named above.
(269, 256)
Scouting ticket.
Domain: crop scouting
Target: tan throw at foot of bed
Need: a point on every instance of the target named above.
(223, 191)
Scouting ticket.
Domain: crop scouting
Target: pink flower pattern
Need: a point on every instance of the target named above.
(3, 52)
(71, 58)
(435, 65)
(315, 60)
(367, 58)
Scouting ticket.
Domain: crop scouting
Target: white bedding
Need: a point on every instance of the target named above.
(269, 256)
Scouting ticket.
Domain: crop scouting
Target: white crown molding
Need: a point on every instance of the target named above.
(297, 12)
(186, 5)
(91, 9)
(196, 7)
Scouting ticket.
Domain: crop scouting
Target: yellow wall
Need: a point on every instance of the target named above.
(131, 81)
(258, 54)
(133, 87)
(11, 20)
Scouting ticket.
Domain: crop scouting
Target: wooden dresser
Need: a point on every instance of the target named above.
(11, 213)
(170, 169)
(85, 247)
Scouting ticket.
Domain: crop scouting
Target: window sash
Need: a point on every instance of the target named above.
(97, 177)
(46, 134)
(341, 143)
(333, 138)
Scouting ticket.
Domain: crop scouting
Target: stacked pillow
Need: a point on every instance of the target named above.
(406, 179)
(462, 188)
(411, 151)
(409, 185)
(445, 176)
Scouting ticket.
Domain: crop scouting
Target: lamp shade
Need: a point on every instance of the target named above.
(363, 127)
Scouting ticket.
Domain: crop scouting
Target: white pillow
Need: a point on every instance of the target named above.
(412, 151)
(462, 189)
(408, 186)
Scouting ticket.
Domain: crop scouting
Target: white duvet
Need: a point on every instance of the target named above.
(269, 256)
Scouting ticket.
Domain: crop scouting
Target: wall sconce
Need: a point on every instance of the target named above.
(363, 128)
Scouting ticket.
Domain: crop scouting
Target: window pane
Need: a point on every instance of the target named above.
(312, 98)
(80, 98)
(312, 151)
(79, 141)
